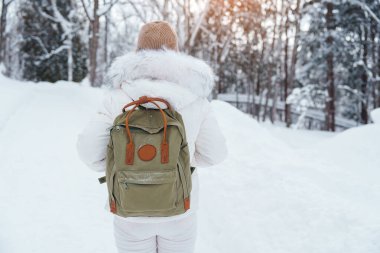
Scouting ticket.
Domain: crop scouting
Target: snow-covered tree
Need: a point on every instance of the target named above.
(339, 53)
(50, 47)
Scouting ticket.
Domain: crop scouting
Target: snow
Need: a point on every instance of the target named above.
(297, 138)
(375, 115)
(280, 190)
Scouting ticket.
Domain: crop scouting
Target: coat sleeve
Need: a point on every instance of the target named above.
(210, 145)
(92, 141)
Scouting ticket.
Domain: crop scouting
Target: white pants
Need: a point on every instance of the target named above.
(177, 236)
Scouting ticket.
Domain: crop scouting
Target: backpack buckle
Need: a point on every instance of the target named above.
(143, 99)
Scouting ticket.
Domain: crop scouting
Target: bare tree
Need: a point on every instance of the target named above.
(273, 56)
(259, 73)
(374, 82)
(277, 79)
(94, 19)
(286, 70)
(330, 103)
(292, 72)
(364, 78)
(3, 24)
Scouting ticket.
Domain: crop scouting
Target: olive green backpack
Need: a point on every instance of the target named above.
(148, 164)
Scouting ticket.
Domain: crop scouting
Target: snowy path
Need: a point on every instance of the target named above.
(268, 196)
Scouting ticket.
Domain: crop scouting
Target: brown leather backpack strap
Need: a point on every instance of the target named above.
(161, 100)
(130, 104)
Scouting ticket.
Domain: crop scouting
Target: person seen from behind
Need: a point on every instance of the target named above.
(158, 69)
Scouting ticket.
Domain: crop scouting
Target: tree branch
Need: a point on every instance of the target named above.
(45, 15)
(6, 3)
(197, 27)
(86, 11)
(143, 19)
(53, 52)
(157, 5)
(108, 8)
(365, 7)
(39, 41)
(66, 24)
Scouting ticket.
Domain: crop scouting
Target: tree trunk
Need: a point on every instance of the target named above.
(374, 81)
(330, 103)
(377, 85)
(165, 10)
(293, 64)
(278, 74)
(70, 67)
(272, 62)
(94, 44)
(286, 72)
(258, 82)
(105, 57)
(3, 24)
(364, 77)
(187, 26)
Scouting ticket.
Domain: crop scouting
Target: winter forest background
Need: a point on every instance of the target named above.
(308, 63)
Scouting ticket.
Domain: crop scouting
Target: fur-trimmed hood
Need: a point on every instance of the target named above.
(174, 76)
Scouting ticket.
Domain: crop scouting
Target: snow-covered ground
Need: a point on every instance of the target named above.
(375, 115)
(280, 190)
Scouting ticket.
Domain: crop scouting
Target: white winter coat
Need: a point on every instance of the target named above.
(185, 82)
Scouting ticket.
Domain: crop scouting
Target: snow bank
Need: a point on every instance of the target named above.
(274, 199)
(246, 135)
(355, 148)
(375, 116)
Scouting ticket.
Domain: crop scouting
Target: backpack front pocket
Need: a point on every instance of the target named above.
(147, 191)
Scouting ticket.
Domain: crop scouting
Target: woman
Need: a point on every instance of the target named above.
(157, 69)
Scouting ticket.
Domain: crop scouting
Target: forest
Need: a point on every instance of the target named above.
(311, 64)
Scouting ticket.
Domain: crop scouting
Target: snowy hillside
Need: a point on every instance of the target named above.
(279, 190)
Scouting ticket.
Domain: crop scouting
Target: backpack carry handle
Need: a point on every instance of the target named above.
(145, 99)
(130, 146)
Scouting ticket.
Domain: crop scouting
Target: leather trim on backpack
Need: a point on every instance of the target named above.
(147, 152)
(130, 153)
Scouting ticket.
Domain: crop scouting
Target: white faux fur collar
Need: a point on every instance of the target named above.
(171, 75)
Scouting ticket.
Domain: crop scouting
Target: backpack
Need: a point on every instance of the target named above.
(148, 169)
